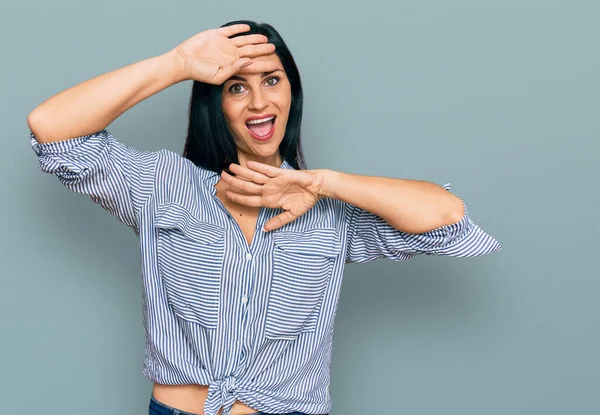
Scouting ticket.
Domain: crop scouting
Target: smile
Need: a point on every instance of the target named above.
(261, 128)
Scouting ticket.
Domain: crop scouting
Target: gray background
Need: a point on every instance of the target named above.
(500, 98)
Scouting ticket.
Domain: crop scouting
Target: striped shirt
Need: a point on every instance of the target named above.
(253, 322)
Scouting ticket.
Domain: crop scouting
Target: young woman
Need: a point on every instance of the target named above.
(243, 249)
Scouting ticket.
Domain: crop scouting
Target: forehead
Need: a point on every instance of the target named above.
(271, 58)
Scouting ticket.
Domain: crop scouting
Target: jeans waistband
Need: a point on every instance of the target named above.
(159, 408)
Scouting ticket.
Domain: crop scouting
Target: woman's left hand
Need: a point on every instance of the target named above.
(258, 184)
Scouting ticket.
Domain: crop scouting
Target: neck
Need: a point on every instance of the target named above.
(274, 160)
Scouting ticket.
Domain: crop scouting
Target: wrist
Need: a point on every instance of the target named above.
(177, 65)
(328, 178)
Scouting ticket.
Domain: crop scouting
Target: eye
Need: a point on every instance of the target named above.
(272, 81)
(236, 89)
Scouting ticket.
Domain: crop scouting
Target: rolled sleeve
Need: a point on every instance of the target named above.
(117, 177)
(370, 238)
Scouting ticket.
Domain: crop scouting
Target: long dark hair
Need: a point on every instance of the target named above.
(209, 143)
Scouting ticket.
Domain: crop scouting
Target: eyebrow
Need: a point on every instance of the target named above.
(239, 78)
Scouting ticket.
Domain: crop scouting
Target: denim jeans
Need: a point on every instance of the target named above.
(159, 408)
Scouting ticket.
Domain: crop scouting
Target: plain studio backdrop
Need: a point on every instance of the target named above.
(499, 98)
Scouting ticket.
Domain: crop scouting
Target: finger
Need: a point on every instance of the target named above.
(269, 171)
(233, 30)
(249, 40)
(248, 174)
(244, 185)
(260, 67)
(253, 201)
(252, 51)
(227, 71)
(279, 221)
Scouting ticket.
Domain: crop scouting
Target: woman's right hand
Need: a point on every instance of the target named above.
(211, 57)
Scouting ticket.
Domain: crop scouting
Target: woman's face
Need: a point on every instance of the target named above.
(256, 107)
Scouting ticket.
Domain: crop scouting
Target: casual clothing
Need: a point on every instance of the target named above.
(159, 408)
(255, 323)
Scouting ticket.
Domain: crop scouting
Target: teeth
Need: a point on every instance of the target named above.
(260, 121)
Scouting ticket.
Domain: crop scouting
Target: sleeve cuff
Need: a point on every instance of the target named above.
(432, 241)
(461, 239)
(58, 147)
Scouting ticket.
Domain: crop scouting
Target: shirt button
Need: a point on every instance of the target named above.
(248, 257)
(244, 299)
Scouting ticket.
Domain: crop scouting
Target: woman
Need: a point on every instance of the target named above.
(242, 248)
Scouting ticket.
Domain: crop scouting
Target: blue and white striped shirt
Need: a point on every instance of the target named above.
(255, 323)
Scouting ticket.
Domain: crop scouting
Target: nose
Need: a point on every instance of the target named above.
(258, 100)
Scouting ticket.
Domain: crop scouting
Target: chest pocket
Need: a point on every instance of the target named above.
(302, 267)
(190, 260)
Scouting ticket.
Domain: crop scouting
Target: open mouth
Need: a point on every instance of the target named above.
(261, 129)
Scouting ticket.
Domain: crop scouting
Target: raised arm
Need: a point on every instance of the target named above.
(89, 107)
(94, 104)
(397, 219)
(384, 217)
(68, 131)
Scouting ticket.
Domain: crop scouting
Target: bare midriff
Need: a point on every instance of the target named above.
(190, 398)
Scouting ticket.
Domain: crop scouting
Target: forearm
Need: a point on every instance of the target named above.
(92, 105)
(411, 206)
